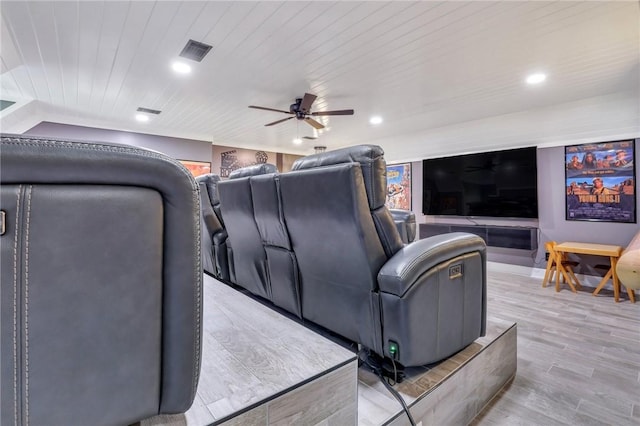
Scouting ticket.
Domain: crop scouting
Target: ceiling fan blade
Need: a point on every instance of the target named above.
(307, 101)
(311, 138)
(279, 121)
(337, 112)
(269, 109)
(314, 123)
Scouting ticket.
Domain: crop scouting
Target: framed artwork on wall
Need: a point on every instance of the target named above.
(600, 182)
(197, 168)
(399, 186)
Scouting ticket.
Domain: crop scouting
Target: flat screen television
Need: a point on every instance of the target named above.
(500, 184)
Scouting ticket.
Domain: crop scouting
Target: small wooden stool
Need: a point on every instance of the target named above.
(552, 267)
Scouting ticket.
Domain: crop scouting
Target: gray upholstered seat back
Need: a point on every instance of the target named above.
(372, 164)
(255, 170)
(211, 181)
(210, 226)
(101, 283)
(337, 248)
(370, 159)
(214, 234)
(281, 260)
(405, 221)
(247, 257)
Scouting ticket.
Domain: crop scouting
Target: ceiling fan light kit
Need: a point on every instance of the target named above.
(301, 110)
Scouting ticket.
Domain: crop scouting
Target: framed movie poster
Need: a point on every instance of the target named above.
(399, 186)
(197, 168)
(600, 182)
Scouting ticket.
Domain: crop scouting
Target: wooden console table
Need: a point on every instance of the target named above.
(610, 251)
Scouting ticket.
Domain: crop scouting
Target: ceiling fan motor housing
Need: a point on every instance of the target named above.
(295, 109)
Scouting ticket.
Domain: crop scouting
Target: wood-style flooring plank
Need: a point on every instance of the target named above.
(578, 355)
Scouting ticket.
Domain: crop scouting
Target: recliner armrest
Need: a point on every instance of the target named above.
(413, 260)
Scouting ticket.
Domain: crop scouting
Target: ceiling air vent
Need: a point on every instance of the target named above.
(5, 104)
(149, 110)
(195, 50)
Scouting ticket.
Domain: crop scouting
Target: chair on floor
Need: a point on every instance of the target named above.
(246, 254)
(101, 283)
(214, 235)
(552, 266)
(405, 221)
(319, 242)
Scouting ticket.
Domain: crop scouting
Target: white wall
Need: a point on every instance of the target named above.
(610, 117)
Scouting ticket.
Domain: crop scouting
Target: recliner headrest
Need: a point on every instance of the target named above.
(255, 170)
(371, 159)
(211, 182)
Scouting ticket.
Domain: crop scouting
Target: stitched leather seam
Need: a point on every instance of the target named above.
(15, 310)
(283, 223)
(198, 296)
(374, 189)
(96, 147)
(26, 302)
(438, 308)
(401, 277)
(296, 282)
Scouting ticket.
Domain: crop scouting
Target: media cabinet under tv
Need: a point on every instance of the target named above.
(514, 237)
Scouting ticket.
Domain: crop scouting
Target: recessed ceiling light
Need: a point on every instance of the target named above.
(181, 67)
(142, 117)
(297, 141)
(376, 119)
(536, 78)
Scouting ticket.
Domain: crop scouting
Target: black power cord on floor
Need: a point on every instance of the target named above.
(375, 365)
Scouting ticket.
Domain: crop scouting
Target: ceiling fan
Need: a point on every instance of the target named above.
(301, 110)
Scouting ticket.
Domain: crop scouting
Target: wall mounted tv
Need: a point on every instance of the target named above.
(489, 184)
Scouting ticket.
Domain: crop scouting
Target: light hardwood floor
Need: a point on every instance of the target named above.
(578, 354)
(250, 354)
(450, 392)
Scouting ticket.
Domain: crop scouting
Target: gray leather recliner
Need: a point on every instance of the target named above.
(416, 303)
(214, 236)
(264, 262)
(405, 221)
(101, 283)
(246, 255)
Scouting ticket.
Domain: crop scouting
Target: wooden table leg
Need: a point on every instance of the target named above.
(560, 270)
(547, 272)
(574, 278)
(603, 282)
(616, 283)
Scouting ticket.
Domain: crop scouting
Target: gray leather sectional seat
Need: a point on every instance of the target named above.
(101, 283)
(214, 235)
(261, 252)
(319, 242)
(405, 221)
